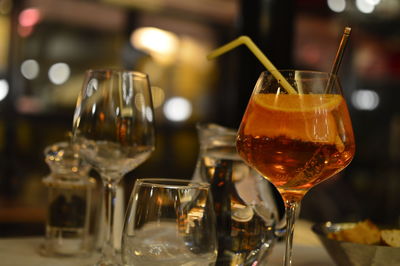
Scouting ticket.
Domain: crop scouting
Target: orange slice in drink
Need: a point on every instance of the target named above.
(306, 117)
(298, 102)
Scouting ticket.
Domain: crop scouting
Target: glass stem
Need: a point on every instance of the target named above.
(291, 209)
(108, 248)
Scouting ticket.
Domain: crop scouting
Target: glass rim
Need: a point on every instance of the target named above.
(173, 183)
(60, 146)
(116, 70)
(288, 70)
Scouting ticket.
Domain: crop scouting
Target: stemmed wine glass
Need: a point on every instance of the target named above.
(114, 127)
(296, 138)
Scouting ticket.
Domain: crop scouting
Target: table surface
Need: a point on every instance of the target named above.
(25, 251)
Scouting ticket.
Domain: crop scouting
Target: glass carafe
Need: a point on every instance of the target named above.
(243, 200)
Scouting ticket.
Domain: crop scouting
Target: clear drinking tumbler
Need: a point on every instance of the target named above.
(169, 222)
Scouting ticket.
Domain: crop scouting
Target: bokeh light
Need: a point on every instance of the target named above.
(337, 5)
(373, 2)
(30, 69)
(140, 102)
(29, 17)
(158, 96)
(149, 113)
(365, 6)
(177, 109)
(160, 44)
(59, 73)
(366, 100)
(3, 89)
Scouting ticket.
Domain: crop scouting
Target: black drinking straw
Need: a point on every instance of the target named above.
(339, 56)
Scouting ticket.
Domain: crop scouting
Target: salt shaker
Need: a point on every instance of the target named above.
(69, 206)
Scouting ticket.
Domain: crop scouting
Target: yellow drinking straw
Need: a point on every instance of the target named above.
(257, 52)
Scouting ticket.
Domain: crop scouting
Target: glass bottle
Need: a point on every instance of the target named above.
(69, 209)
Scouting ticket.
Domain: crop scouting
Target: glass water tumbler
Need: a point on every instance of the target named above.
(70, 189)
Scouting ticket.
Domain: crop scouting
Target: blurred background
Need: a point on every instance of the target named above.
(46, 45)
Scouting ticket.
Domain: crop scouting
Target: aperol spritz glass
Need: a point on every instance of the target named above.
(296, 139)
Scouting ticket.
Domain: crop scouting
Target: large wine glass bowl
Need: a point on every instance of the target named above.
(113, 125)
(296, 140)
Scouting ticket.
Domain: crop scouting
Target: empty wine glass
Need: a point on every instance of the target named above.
(113, 124)
(169, 222)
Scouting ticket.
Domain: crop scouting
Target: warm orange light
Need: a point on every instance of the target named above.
(162, 45)
(102, 116)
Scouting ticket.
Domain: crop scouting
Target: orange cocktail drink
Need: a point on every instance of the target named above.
(295, 140)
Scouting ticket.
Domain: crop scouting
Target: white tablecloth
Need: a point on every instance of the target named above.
(25, 251)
